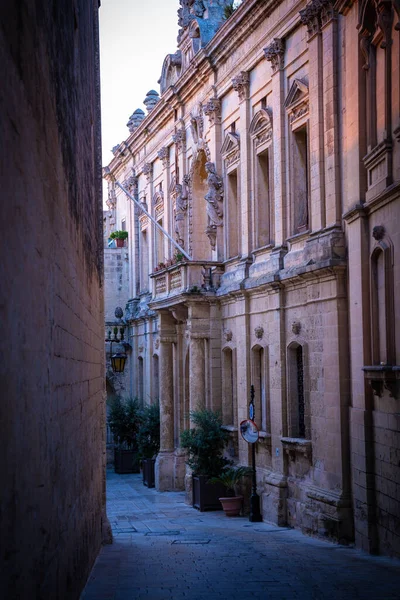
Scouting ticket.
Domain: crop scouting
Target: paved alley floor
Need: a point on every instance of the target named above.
(164, 549)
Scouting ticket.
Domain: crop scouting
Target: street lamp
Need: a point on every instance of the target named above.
(118, 359)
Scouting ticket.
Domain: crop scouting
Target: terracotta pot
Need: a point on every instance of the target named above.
(232, 506)
(120, 243)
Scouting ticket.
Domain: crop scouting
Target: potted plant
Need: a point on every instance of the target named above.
(230, 478)
(205, 444)
(123, 420)
(119, 237)
(148, 439)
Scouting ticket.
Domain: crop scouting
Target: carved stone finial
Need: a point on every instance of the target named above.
(135, 119)
(241, 84)
(378, 232)
(296, 327)
(259, 332)
(152, 97)
(228, 335)
(275, 54)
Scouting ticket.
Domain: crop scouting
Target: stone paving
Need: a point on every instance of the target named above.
(164, 549)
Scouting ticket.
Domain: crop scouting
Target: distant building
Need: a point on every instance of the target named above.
(272, 157)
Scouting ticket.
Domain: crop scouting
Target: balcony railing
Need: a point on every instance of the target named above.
(186, 277)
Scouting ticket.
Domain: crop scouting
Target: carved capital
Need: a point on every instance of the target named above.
(241, 84)
(275, 54)
(309, 16)
(131, 184)
(213, 110)
(148, 171)
(163, 155)
(179, 139)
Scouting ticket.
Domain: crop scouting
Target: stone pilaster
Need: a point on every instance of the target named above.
(198, 331)
(331, 114)
(241, 83)
(275, 53)
(309, 17)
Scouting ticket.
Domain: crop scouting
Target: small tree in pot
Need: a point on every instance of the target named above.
(148, 439)
(230, 478)
(124, 420)
(205, 444)
(119, 236)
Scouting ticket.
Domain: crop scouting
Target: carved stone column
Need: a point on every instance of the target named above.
(275, 53)
(197, 384)
(165, 459)
(241, 83)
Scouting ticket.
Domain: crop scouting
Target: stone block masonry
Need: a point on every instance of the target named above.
(52, 503)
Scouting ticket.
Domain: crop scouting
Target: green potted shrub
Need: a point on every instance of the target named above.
(205, 444)
(148, 439)
(119, 237)
(230, 478)
(124, 419)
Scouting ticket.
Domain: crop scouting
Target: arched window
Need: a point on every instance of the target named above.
(299, 422)
(229, 383)
(382, 306)
(260, 387)
(140, 378)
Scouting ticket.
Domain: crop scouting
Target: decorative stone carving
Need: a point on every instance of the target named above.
(131, 184)
(296, 102)
(179, 139)
(378, 232)
(157, 344)
(259, 332)
(152, 97)
(112, 198)
(309, 16)
(135, 119)
(115, 149)
(274, 53)
(148, 171)
(119, 313)
(385, 20)
(140, 349)
(197, 125)
(181, 205)
(296, 327)
(158, 197)
(214, 198)
(228, 335)
(241, 84)
(230, 150)
(163, 155)
(213, 110)
(261, 127)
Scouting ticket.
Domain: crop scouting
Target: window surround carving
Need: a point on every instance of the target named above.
(382, 374)
(230, 151)
(260, 129)
(297, 104)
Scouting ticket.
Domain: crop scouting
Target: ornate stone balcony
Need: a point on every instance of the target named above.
(192, 277)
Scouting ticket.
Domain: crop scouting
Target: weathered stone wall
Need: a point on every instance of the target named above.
(51, 302)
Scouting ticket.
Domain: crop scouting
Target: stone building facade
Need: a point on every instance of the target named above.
(52, 408)
(272, 157)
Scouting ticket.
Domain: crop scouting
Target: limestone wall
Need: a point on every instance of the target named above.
(51, 301)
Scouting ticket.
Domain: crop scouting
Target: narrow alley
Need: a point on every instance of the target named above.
(165, 549)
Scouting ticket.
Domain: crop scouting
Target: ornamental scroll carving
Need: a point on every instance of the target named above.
(274, 53)
(148, 171)
(179, 139)
(317, 14)
(214, 199)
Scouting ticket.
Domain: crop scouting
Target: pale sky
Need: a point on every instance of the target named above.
(135, 37)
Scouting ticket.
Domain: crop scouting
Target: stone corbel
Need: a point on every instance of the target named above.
(275, 54)
(241, 84)
(212, 109)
